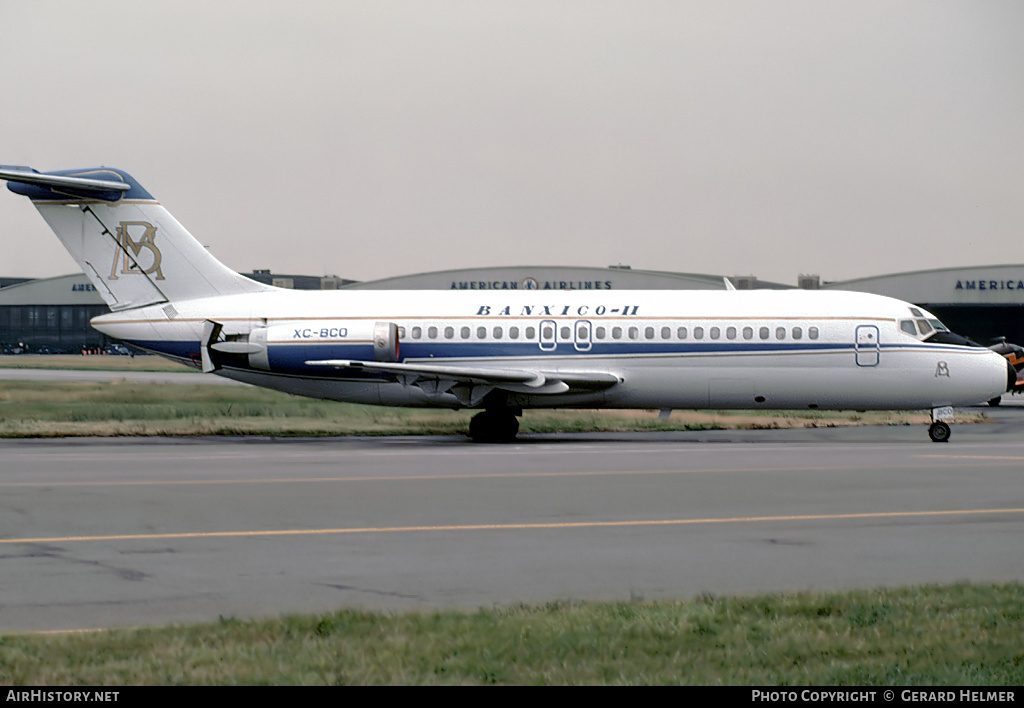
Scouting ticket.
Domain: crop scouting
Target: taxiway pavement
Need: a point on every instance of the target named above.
(127, 532)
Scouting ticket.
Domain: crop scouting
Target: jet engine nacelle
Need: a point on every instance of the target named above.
(286, 347)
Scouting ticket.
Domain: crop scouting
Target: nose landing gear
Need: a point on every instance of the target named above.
(939, 430)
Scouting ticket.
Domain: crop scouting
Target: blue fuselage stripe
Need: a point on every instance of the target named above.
(291, 357)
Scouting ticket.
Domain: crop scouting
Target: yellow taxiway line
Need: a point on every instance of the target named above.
(515, 527)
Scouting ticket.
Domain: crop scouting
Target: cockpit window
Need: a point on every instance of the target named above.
(944, 336)
(935, 332)
(925, 327)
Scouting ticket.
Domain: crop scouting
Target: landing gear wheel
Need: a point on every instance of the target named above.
(939, 432)
(995, 401)
(494, 427)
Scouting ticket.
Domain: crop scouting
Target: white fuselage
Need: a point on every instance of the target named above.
(666, 349)
(501, 350)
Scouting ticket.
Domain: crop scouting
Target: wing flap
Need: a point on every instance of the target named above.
(516, 380)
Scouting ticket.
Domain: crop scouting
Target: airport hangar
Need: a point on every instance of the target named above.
(982, 302)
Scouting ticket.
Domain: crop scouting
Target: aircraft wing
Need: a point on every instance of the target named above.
(471, 383)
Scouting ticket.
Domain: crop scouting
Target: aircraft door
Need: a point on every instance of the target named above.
(867, 347)
(582, 335)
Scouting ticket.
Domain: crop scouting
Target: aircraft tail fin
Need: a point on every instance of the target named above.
(131, 248)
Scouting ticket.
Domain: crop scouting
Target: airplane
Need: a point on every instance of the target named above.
(1014, 353)
(503, 351)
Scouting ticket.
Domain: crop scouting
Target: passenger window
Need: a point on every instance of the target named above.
(599, 332)
(797, 333)
(780, 332)
(698, 333)
(498, 332)
(565, 333)
(812, 332)
(481, 333)
(513, 333)
(449, 332)
(432, 332)
(616, 332)
(465, 332)
(748, 332)
(649, 332)
(401, 332)
(730, 333)
(417, 332)
(715, 332)
(681, 332)
(763, 333)
(634, 332)
(548, 332)
(666, 332)
(531, 332)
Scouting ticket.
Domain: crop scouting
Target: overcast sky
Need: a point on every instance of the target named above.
(373, 139)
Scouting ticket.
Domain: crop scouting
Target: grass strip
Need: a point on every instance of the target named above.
(930, 636)
(51, 409)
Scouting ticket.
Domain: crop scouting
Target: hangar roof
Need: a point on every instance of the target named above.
(986, 285)
(971, 285)
(554, 278)
(72, 289)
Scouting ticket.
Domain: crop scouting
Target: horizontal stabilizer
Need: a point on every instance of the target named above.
(105, 185)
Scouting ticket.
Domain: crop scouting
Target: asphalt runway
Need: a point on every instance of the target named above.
(129, 532)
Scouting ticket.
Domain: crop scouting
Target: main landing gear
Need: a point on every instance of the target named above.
(498, 425)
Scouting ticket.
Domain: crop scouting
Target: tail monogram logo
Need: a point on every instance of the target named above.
(133, 237)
